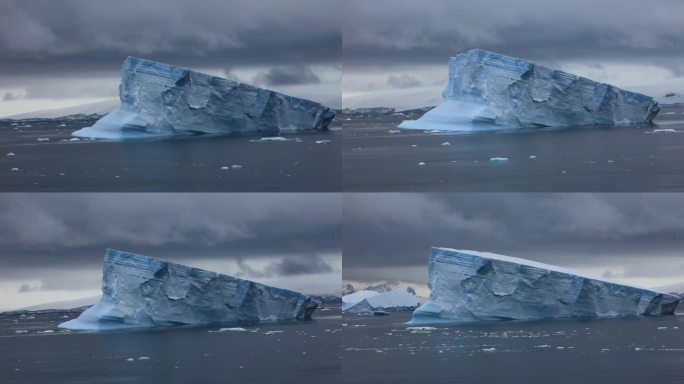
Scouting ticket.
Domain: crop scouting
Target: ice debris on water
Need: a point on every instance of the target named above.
(322, 141)
(498, 159)
(43, 139)
(10, 154)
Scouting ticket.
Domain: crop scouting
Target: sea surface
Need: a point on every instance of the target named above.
(34, 350)
(383, 349)
(378, 156)
(43, 156)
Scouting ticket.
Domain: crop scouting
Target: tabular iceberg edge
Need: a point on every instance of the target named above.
(471, 286)
(140, 291)
(161, 100)
(490, 91)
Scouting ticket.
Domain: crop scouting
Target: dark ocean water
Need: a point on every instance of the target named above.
(377, 156)
(177, 165)
(265, 353)
(627, 350)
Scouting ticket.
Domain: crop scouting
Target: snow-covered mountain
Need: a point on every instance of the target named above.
(99, 108)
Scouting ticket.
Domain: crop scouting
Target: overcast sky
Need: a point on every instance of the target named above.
(61, 53)
(396, 51)
(52, 245)
(633, 238)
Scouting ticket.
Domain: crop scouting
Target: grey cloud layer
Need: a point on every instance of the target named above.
(44, 37)
(386, 231)
(403, 31)
(71, 230)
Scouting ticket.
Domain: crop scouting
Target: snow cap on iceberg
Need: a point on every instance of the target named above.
(140, 291)
(471, 286)
(488, 91)
(159, 100)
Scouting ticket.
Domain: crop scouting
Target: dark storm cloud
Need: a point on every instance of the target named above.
(403, 81)
(405, 32)
(71, 231)
(78, 37)
(386, 231)
(291, 75)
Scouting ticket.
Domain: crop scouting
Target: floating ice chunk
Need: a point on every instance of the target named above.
(234, 329)
(46, 331)
(422, 163)
(393, 131)
(142, 358)
(498, 159)
(15, 169)
(277, 138)
(74, 139)
(10, 154)
(140, 291)
(489, 349)
(235, 166)
(533, 157)
(322, 141)
(160, 100)
(664, 130)
(225, 168)
(489, 91)
(425, 329)
(43, 139)
(471, 286)
(130, 359)
(446, 143)
(21, 331)
(272, 332)
(61, 125)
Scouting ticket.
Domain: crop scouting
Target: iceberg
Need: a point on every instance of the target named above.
(369, 301)
(140, 291)
(490, 91)
(472, 286)
(161, 100)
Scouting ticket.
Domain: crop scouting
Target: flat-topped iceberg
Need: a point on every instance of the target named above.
(488, 91)
(140, 291)
(159, 100)
(471, 286)
(369, 301)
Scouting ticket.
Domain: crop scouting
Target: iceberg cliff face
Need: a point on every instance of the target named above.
(471, 286)
(492, 91)
(139, 291)
(160, 100)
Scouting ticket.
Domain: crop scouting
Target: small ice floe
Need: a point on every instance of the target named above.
(14, 169)
(433, 131)
(10, 154)
(422, 163)
(421, 329)
(224, 168)
(414, 145)
(322, 141)
(142, 358)
(498, 159)
(74, 139)
(489, 349)
(661, 328)
(533, 157)
(272, 332)
(277, 138)
(43, 139)
(46, 331)
(446, 143)
(611, 161)
(235, 166)
(542, 346)
(130, 359)
(393, 131)
(24, 126)
(235, 329)
(21, 331)
(663, 130)
(605, 349)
